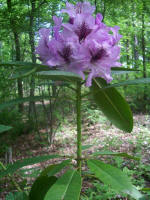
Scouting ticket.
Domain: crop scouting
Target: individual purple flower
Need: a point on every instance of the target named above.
(82, 26)
(67, 54)
(100, 59)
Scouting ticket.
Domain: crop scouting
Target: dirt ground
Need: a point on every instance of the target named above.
(100, 135)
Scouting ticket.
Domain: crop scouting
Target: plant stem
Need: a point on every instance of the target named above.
(79, 136)
(12, 179)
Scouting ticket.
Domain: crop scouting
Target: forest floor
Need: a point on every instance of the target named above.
(98, 135)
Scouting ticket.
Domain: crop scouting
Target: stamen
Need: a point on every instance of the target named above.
(71, 20)
(98, 55)
(46, 45)
(83, 31)
(66, 53)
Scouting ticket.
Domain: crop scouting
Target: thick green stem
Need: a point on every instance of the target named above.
(79, 137)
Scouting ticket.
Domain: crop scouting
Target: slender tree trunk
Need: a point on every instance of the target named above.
(143, 42)
(144, 54)
(18, 54)
(33, 57)
(127, 51)
(135, 40)
(104, 9)
(135, 51)
(127, 62)
(1, 55)
(96, 7)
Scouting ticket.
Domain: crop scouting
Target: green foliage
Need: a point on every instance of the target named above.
(113, 177)
(41, 186)
(15, 120)
(20, 100)
(53, 169)
(112, 105)
(100, 191)
(25, 65)
(59, 75)
(4, 128)
(17, 196)
(25, 162)
(22, 72)
(68, 186)
(46, 178)
(122, 70)
(125, 155)
(23, 21)
(130, 82)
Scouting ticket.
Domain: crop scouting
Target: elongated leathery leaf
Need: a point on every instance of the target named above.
(59, 75)
(4, 128)
(40, 187)
(67, 187)
(113, 177)
(23, 72)
(130, 82)
(28, 161)
(85, 147)
(112, 104)
(21, 100)
(53, 169)
(125, 155)
(122, 70)
(19, 64)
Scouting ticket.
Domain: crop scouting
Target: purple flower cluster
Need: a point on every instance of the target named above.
(84, 45)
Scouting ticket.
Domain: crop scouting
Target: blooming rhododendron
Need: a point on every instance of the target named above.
(83, 44)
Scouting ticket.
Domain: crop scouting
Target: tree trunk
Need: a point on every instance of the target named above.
(143, 42)
(104, 10)
(18, 54)
(144, 55)
(128, 63)
(33, 57)
(96, 7)
(135, 41)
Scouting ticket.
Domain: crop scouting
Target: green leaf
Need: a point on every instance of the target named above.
(39, 67)
(112, 104)
(4, 128)
(10, 196)
(145, 189)
(17, 196)
(122, 70)
(59, 75)
(67, 187)
(40, 187)
(84, 147)
(25, 162)
(53, 169)
(125, 155)
(130, 82)
(21, 196)
(113, 177)
(21, 100)
(23, 72)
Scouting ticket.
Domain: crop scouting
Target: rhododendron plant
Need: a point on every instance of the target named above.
(82, 45)
(86, 49)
